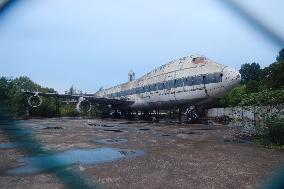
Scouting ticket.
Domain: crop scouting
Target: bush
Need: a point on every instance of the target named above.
(69, 111)
(233, 98)
(275, 130)
(252, 86)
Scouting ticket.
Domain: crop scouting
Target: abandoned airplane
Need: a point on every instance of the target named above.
(192, 80)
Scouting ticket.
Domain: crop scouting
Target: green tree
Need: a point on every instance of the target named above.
(72, 90)
(4, 87)
(273, 75)
(11, 89)
(280, 56)
(250, 72)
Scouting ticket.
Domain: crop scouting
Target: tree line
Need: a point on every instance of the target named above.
(265, 84)
(11, 90)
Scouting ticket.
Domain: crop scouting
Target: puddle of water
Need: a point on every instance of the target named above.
(187, 132)
(144, 129)
(165, 135)
(111, 141)
(114, 130)
(240, 141)
(99, 125)
(53, 162)
(55, 127)
(107, 126)
(124, 123)
(203, 129)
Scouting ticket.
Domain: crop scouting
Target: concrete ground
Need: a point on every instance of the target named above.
(175, 156)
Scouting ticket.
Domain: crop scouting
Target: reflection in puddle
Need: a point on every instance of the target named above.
(38, 164)
(111, 141)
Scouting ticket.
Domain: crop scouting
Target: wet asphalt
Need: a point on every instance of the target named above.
(124, 154)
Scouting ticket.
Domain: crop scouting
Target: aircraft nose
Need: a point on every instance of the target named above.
(231, 78)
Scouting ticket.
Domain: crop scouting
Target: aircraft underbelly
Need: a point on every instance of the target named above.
(190, 92)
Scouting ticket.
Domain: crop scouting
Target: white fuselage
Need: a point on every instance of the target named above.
(186, 81)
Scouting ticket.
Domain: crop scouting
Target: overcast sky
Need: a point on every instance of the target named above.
(91, 43)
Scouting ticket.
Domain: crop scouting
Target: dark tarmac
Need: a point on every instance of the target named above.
(123, 154)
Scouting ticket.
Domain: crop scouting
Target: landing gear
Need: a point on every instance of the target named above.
(116, 115)
(127, 114)
(179, 115)
(157, 115)
(191, 114)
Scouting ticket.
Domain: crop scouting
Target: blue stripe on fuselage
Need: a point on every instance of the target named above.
(175, 83)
